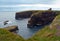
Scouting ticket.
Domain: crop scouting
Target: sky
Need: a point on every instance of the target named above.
(20, 5)
(14, 2)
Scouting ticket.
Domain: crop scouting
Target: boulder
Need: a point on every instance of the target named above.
(25, 14)
(42, 18)
(5, 22)
(11, 28)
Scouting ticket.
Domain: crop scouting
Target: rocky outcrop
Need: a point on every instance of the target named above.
(25, 14)
(42, 18)
(11, 28)
(5, 22)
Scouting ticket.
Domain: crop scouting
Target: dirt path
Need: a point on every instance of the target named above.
(58, 30)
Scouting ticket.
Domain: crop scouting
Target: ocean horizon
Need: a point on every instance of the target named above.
(27, 7)
(22, 5)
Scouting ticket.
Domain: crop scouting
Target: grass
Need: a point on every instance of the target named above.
(45, 34)
(8, 36)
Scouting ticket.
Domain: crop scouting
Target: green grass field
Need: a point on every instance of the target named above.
(48, 33)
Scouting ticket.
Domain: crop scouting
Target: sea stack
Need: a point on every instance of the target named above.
(42, 18)
(24, 14)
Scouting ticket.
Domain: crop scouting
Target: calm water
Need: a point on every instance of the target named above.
(22, 24)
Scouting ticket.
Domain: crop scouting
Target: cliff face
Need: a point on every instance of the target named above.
(41, 18)
(37, 17)
(25, 14)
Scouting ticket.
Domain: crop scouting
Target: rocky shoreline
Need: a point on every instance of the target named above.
(12, 28)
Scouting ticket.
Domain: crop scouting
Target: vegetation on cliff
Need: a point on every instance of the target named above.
(5, 35)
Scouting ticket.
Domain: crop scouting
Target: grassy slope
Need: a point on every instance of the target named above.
(8, 36)
(45, 34)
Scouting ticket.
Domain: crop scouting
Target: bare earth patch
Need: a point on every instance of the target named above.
(58, 30)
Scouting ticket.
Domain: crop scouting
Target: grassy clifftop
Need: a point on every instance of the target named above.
(8, 36)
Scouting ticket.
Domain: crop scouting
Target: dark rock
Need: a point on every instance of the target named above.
(25, 14)
(5, 22)
(42, 18)
(11, 28)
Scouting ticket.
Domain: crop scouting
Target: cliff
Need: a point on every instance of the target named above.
(37, 17)
(42, 18)
(25, 14)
